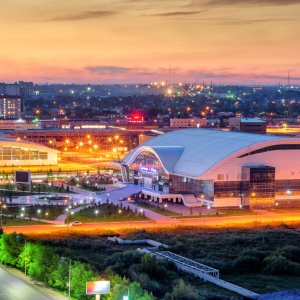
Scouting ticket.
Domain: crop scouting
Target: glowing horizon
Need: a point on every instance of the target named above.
(129, 41)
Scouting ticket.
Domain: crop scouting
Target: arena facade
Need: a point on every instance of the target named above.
(19, 153)
(218, 168)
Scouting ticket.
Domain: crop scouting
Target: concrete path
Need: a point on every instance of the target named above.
(116, 195)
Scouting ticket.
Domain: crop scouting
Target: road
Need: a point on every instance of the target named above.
(12, 288)
(262, 217)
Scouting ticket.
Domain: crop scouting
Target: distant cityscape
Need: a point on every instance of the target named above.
(155, 104)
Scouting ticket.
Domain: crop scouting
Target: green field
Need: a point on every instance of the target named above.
(106, 213)
(8, 221)
(158, 210)
(22, 212)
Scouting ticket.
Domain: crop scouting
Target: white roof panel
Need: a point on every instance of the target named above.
(202, 148)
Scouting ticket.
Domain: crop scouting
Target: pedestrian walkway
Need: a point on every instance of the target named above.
(116, 195)
(62, 218)
(26, 288)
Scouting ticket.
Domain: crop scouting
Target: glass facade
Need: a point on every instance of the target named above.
(148, 171)
(273, 148)
(261, 179)
(184, 185)
(230, 189)
(255, 185)
(288, 187)
(19, 153)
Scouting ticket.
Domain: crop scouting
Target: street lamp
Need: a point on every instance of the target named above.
(63, 260)
(39, 213)
(23, 237)
(125, 297)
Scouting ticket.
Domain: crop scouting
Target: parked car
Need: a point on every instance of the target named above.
(76, 223)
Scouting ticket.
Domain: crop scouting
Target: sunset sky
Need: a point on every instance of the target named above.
(137, 41)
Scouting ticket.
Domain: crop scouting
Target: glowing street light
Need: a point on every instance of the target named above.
(125, 297)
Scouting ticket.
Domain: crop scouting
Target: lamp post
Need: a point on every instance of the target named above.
(126, 287)
(22, 237)
(39, 213)
(62, 260)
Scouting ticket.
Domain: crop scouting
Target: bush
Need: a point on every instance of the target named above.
(290, 252)
(247, 263)
(120, 262)
(182, 291)
(279, 265)
(149, 265)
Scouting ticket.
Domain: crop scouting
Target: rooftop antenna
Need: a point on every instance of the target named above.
(288, 78)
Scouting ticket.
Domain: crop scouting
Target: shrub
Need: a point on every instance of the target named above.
(279, 265)
(247, 263)
(290, 252)
(182, 291)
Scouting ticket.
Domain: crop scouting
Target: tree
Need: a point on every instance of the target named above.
(150, 266)
(10, 249)
(121, 288)
(81, 273)
(183, 291)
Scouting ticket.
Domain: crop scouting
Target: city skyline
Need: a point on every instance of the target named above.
(132, 41)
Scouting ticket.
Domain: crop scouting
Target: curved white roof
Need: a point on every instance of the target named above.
(10, 142)
(192, 152)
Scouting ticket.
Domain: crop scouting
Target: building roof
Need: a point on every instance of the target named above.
(5, 96)
(10, 142)
(252, 120)
(192, 152)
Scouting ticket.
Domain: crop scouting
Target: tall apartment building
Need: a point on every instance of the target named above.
(10, 107)
(22, 89)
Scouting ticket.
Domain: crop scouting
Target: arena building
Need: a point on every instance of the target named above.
(217, 168)
(19, 153)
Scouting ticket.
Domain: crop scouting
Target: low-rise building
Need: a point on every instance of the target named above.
(252, 125)
(188, 122)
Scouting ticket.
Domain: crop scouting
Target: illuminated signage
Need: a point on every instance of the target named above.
(97, 287)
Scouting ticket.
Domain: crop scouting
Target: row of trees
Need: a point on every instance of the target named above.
(44, 264)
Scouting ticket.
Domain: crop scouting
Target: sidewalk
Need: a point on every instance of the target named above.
(38, 285)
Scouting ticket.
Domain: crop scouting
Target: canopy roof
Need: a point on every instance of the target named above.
(192, 152)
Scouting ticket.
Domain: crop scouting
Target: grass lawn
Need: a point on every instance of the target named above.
(154, 208)
(20, 222)
(106, 213)
(50, 212)
(220, 213)
(235, 212)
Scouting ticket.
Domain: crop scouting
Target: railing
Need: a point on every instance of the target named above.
(182, 262)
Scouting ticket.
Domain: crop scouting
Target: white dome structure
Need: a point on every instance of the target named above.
(226, 168)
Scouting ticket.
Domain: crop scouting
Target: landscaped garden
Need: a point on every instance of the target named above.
(16, 214)
(107, 212)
